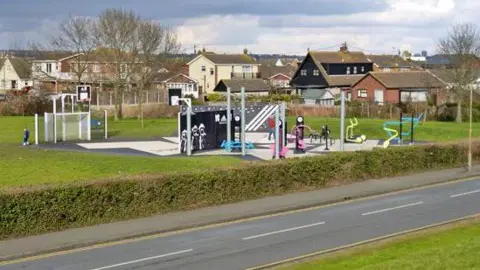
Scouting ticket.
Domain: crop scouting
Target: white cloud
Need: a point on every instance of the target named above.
(406, 24)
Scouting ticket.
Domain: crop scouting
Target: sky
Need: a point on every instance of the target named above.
(261, 26)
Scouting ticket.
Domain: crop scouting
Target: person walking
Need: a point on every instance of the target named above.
(26, 136)
(271, 127)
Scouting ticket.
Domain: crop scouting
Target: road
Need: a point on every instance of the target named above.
(262, 241)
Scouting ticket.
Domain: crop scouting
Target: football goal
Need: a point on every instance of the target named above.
(67, 126)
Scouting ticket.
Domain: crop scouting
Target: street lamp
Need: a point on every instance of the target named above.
(470, 132)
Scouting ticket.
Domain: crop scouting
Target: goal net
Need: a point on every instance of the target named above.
(67, 127)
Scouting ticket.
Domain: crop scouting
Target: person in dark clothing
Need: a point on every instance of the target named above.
(26, 136)
(271, 127)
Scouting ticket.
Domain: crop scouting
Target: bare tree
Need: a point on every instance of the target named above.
(156, 43)
(461, 46)
(117, 35)
(76, 35)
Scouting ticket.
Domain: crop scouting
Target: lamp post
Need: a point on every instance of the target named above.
(470, 130)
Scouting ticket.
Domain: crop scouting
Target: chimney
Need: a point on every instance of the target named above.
(245, 51)
(344, 47)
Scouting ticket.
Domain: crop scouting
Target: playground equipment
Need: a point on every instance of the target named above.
(325, 135)
(398, 135)
(72, 124)
(230, 145)
(279, 145)
(350, 136)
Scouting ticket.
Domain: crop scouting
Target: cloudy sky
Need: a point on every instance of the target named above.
(263, 26)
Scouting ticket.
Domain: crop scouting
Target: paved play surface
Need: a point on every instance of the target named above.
(168, 146)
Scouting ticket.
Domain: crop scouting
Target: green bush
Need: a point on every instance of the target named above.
(41, 210)
(216, 97)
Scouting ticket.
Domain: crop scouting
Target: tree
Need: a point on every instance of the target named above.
(461, 46)
(77, 35)
(156, 42)
(117, 35)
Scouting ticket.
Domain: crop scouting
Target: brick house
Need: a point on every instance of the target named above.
(398, 87)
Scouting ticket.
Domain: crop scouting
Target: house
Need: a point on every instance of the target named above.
(252, 86)
(209, 68)
(15, 74)
(277, 76)
(388, 63)
(397, 87)
(185, 83)
(331, 71)
(447, 76)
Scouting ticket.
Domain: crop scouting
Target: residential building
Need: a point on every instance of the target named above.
(323, 74)
(186, 84)
(391, 63)
(277, 76)
(15, 74)
(252, 86)
(447, 76)
(396, 87)
(209, 68)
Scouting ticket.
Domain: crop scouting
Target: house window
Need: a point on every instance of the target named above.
(362, 93)
(96, 68)
(354, 70)
(316, 72)
(303, 72)
(49, 68)
(211, 71)
(362, 69)
(204, 68)
(349, 95)
(348, 70)
(247, 69)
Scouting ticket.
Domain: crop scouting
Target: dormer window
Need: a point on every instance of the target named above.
(348, 70)
(316, 72)
(303, 72)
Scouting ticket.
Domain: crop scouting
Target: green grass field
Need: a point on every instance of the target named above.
(457, 248)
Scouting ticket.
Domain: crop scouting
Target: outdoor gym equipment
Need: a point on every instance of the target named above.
(279, 141)
(350, 137)
(325, 135)
(298, 132)
(398, 135)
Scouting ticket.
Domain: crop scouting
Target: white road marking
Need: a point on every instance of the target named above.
(466, 193)
(285, 230)
(393, 208)
(144, 259)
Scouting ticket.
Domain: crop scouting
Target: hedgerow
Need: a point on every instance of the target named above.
(39, 210)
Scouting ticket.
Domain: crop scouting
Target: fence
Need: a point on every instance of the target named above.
(107, 98)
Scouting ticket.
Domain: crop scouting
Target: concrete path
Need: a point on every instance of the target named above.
(189, 219)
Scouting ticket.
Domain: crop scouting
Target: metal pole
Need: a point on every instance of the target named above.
(401, 128)
(411, 130)
(342, 120)
(64, 126)
(54, 120)
(277, 134)
(179, 132)
(242, 95)
(105, 113)
(470, 133)
(189, 131)
(229, 117)
(282, 118)
(36, 129)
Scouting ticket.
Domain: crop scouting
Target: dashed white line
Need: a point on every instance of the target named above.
(285, 230)
(466, 193)
(393, 208)
(144, 259)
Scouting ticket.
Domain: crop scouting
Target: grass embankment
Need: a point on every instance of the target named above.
(452, 247)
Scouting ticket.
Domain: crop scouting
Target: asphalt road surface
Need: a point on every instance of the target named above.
(256, 242)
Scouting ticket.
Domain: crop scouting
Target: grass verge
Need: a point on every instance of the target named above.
(453, 246)
(32, 166)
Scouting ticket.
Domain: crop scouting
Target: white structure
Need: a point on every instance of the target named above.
(15, 74)
(186, 84)
(279, 63)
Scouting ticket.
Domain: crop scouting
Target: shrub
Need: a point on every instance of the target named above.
(40, 210)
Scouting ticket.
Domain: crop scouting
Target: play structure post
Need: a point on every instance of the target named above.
(229, 117)
(277, 134)
(179, 116)
(342, 120)
(401, 128)
(189, 131)
(411, 130)
(326, 139)
(54, 120)
(242, 96)
(284, 123)
(36, 129)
